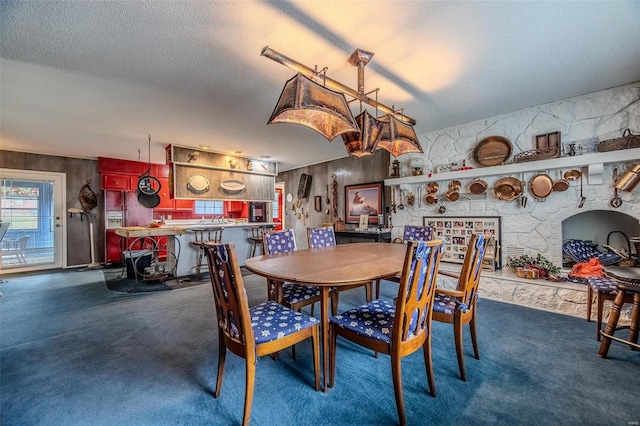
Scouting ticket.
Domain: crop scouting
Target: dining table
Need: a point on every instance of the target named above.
(327, 267)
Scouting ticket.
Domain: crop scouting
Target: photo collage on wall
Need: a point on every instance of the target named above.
(456, 231)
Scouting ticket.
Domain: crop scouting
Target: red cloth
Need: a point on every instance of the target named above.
(592, 268)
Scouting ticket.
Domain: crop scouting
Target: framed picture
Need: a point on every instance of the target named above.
(456, 231)
(366, 198)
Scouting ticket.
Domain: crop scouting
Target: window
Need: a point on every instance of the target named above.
(208, 207)
(20, 206)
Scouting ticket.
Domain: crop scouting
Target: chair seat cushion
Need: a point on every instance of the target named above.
(444, 303)
(582, 251)
(374, 320)
(271, 321)
(602, 284)
(294, 293)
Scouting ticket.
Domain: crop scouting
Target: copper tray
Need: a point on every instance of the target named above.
(508, 189)
(491, 151)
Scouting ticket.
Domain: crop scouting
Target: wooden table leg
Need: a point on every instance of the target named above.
(612, 323)
(324, 317)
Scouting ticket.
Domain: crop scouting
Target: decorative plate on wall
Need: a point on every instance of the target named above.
(232, 185)
(198, 184)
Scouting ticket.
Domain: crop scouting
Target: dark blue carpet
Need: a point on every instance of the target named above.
(74, 353)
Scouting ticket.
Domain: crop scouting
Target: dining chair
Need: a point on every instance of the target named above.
(253, 332)
(325, 237)
(458, 307)
(294, 296)
(400, 328)
(411, 233)
(16, 247)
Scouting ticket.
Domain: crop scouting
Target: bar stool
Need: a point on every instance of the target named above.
(626, 287)
(201, 236)
(256, 239)
(605, 288)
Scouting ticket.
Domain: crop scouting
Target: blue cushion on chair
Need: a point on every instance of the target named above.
(271, 321)
(602, 284)
(582, 251)
(374, 320)
(294, 293)
(417, 233)
(444, 303)
(321, 237)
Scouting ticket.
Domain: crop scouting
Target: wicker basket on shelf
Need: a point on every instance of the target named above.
(627, 141)
(535, 155)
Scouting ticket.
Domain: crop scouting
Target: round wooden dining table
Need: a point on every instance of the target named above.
(326, 267)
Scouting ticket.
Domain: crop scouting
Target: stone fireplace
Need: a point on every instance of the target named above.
(540, 226)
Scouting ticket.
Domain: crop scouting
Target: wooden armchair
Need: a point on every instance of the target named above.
(251, 332)
(400, 328)
(458, 307)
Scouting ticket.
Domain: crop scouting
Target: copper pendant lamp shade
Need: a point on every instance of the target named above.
(398, 137)
(305, 102)
(365, 142)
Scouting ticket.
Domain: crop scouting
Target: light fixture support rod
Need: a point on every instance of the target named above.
(333, 84)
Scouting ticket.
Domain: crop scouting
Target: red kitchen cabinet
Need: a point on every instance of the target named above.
(166, 203)
(113, 247)
(117, 182)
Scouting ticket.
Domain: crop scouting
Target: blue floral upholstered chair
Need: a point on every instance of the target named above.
(293, 296)
(400, 328)
(411, 233)
(252, 332)
(325, 237)
(458, 307)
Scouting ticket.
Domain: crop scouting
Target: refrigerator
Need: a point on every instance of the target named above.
(122, 209)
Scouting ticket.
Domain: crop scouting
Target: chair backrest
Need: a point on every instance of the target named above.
(415, 295)
(4, 226)
(321, 237)
(229, 294)
(22, 242)
(417, 233)
(279, 241)
(203, 235)
(472, 267)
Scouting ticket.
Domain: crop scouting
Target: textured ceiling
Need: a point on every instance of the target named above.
(88, 79)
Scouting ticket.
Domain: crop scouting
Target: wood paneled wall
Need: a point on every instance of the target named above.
(78, 171)
(348, 170)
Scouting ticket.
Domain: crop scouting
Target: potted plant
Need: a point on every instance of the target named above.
(544, 268)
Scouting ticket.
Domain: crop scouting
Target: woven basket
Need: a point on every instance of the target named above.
(536, 154)
(627, 141)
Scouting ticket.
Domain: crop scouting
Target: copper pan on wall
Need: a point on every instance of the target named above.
(508, 189)
(541, 186)
(478, 186)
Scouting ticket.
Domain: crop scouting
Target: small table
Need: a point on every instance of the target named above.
(148, 232)
(326, 267)
(628, 283)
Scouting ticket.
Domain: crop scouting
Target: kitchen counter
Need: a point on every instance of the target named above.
(236, 233)
(142, 231)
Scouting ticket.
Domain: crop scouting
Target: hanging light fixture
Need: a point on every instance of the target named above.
(364, 142)
(398, 137)
(307, 103)
(363, 138)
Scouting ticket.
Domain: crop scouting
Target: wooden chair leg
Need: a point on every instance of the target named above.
(600, 302)
(428, 364)
(222, 353)
(250, 382)
(589, 302)
(199, 264)
(315, 347)
(396, 372)
(457, 332)
(474, 337)
(333, 337)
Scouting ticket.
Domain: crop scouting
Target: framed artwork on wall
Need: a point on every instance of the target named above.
(456, 231)
(366, 198)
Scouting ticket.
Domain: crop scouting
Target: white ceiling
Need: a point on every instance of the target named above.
(88, 79)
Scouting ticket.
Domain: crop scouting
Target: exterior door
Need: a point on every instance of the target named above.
(32, 202)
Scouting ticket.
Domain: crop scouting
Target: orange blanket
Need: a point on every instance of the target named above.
(592, 268)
